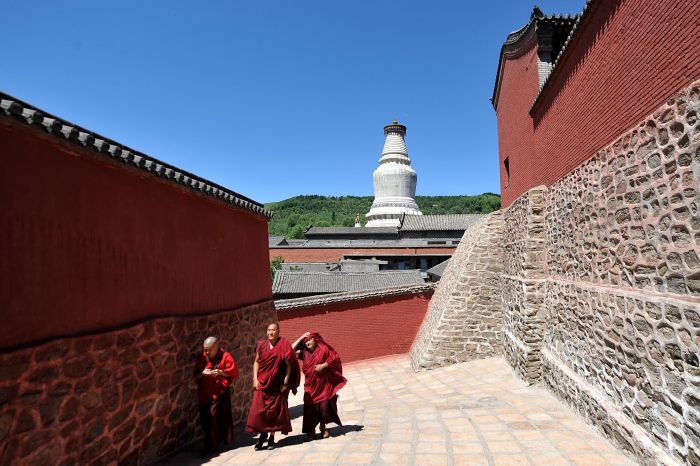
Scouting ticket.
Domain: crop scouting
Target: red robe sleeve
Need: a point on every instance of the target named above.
(228, 365)
(200, 365)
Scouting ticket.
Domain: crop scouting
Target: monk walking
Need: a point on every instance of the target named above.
(215, 371)
(275, 373)
(323, 377)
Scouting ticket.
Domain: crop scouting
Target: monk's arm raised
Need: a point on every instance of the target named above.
(295, 345)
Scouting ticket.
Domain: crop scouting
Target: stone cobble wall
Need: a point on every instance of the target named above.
(629, 215)
(523, 283)
(126, 396)
(464, 319)
(623, 291)
(636, 353)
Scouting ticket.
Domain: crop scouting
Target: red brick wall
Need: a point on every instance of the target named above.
(88, 244)
(335, 254)
(361, 329)
(628, 59)
(519, 88)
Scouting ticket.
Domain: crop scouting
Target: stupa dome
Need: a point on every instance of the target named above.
(394, 181)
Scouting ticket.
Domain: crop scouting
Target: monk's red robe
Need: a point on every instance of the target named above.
(269, 410)
(214, 398)
(321, 388)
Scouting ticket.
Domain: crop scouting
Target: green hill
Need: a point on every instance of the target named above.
(293, 215)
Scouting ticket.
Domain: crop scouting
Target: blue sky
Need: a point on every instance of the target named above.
(275, 98)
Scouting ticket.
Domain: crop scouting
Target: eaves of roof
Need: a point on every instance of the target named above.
(100, 146)
(518, 41)
(578, 25)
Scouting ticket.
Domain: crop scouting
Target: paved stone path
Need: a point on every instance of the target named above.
(474, 413)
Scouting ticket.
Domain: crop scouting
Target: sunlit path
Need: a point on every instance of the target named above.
(467, 414)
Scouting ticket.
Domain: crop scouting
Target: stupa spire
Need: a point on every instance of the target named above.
(394, 181)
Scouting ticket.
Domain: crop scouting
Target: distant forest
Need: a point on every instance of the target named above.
(294, 215)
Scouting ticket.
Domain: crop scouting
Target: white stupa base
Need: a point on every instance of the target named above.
(383, 222)
(390, 216)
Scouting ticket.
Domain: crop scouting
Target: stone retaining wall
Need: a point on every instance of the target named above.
(126, 396)
(601, 289)
(523, 283)
(464, 319)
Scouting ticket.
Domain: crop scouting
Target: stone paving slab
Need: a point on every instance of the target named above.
(471, 413)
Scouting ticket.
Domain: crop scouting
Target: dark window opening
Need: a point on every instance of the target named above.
(506, 165)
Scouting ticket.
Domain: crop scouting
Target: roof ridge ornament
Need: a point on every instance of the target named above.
(536, 13)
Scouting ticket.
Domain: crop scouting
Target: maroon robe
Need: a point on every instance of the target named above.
(214, 398)
(321, 388)
(269, 410)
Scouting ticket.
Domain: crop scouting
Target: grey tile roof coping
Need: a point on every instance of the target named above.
(12, 107)
(295, 282)
(332, 298)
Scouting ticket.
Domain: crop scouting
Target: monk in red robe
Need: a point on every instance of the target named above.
(275, 373)
(215, 371)
(323, 377)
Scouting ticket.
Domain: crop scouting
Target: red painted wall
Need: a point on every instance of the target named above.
(336, 254)
(519, 87)
(361, 329)
(89, 244)
(629, 57)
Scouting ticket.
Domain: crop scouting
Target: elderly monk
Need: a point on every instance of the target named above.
(323, 377)
(275, 373)
(215, 371)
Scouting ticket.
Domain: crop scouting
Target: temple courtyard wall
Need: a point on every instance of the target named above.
(359, 325)
(125, 396)
(115, 267)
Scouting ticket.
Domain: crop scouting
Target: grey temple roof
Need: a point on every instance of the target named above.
(373, 243)
(438, 222)
(287, 282)
(351, 231)
(277, 240)
(102, 147)
(310, 266)
(439, 269)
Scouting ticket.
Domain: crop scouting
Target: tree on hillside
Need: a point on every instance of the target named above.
(292, 216)
(275, 265)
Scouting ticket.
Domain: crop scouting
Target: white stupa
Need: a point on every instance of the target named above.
(394, 182)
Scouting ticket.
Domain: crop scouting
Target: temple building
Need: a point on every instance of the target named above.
(394, 182)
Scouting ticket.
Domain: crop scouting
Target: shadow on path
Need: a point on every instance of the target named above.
(244, 440)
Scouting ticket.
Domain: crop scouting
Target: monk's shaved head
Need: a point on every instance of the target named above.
(210, 341)
(211, 346)
(276, 324)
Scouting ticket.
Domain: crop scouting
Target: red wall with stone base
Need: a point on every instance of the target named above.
(88, 243)
(361, 329)
(110, 279)
(126, 396)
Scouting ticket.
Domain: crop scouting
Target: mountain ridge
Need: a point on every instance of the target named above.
(292, 216)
